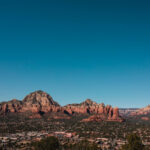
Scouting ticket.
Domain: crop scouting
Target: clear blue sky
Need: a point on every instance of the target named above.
(76, 49)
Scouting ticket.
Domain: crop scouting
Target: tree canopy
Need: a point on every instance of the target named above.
(50, 143)
(134, 142)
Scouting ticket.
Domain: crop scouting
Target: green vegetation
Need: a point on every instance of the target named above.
(83, 145)
(114, 133)
(133, 143)
(50, 143)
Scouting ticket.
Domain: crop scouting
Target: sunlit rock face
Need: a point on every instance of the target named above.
(88, 106)
(10, 107)
(109, 114)
(99, 112)
(35, 102)
(142, 111)
(40, 101)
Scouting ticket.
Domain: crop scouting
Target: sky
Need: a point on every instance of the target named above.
(76, 49)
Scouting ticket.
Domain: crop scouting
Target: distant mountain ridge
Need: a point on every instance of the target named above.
(142, 111)
(40, 102)
(127, 111)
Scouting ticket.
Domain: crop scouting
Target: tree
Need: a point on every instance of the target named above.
(134, 142)
(82, 145)
(50, 143)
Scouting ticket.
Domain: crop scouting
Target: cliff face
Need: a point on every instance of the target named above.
(35, 102)
(108, 114)
(100, 111)
(90, 107)
(87, 106)
(40, 102)
(142, 111)
(127, 111)
(10, 107)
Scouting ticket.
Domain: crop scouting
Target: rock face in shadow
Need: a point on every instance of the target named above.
(39, 103)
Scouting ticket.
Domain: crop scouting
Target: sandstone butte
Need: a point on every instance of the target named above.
(40, 102)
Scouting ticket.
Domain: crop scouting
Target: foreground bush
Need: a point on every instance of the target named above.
(83, 145)
(133, 143)
(50, 143)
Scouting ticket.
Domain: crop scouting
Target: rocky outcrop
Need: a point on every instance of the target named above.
(36, 102)
(87, 106)
(10, 107)
(39, 103)
(110, 114)
(127, 111)
(142, 111)
(35, 116)
(99, 112)
(101, 117)
(91, 107)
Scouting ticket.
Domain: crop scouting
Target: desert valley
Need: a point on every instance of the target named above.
(38, 116)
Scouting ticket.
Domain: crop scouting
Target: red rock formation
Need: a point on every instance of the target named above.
(111, 114)
(101, 117)
(40, 102)
(33, 116)
(91, 107)
(127, 111)
(87, 106)
(142, 111)
(61, 117)
(36, 102)
(95, 118)
(100, 111)
(10, 107)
